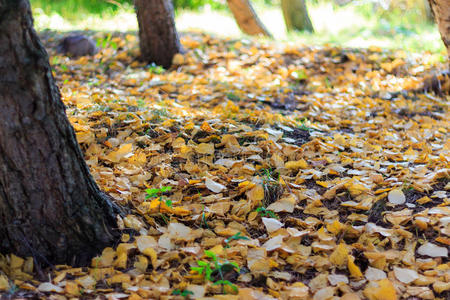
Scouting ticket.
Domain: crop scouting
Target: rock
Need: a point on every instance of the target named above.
(77, 45)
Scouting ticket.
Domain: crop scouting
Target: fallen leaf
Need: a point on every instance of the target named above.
(396, 197)
(432, 250)
(271, 224)
(214, 186)
(405, 275)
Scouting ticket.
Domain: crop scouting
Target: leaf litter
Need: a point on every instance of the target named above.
(258, 170)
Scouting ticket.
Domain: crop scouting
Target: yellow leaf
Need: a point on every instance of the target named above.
(134, 297)
(346, 160)
(178, 59)
(168, 88)
(16, 262)
(230, 141)
(131, 221)
(423, 200)
(119, 278)
(380, 290)
(325, 184)
(295, 165)
(125, 238)
(138, 159)
(260, 266)
(83, 101)
(323, 236)
(141, 264)
(256, 194)
(105, 260)
(101, 273)
(353, 268)
(339, 139)
(225, 231)
(122, 152)
(205, 148)
(217, 249)
(121, 261)
(180, 211)
(178, 142)
(206, 127)
(286, 204)
(28, 265)
(150, 252)
(356, 189)
(335, 227)
(4, 284)
(339, 255)
(189, 126)
(72, 288)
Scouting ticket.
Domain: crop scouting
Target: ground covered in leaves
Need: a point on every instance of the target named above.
(258, 171)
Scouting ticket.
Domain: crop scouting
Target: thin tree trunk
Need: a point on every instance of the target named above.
(296, 15)
(158, 37)
(50, 207)
(441, 11)
(246, 18)
(425, 7)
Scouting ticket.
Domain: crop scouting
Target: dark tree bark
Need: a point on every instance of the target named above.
(296, 15)
(50, 206)
(158, 37)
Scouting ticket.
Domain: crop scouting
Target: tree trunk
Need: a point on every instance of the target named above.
(158, 37)
(50, 206)
(246, 18)
(296, 15)
(441, 11)
(425, 7)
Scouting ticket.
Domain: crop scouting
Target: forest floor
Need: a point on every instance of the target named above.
(258, 170)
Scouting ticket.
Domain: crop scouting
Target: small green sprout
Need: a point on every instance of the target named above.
(236, 236)
(183, 293)
(155, 69)
(264, 212)
(214, 268)
(233, 97)
(153, 193)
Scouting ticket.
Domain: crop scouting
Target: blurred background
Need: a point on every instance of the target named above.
(394, 24)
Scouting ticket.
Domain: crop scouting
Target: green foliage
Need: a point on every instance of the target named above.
(216, 268)
(400, 14)
(233, 97)
(226, 282)
(184, 293)
(159, 113)
(264, 212)
(269, 175)
(151, 193)
(107, 42)
(197, 4)
(69, 7)
(236, 236)
(204, 221)
(299, 75)
(155, 69)
(74, 8)
(303, 122)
